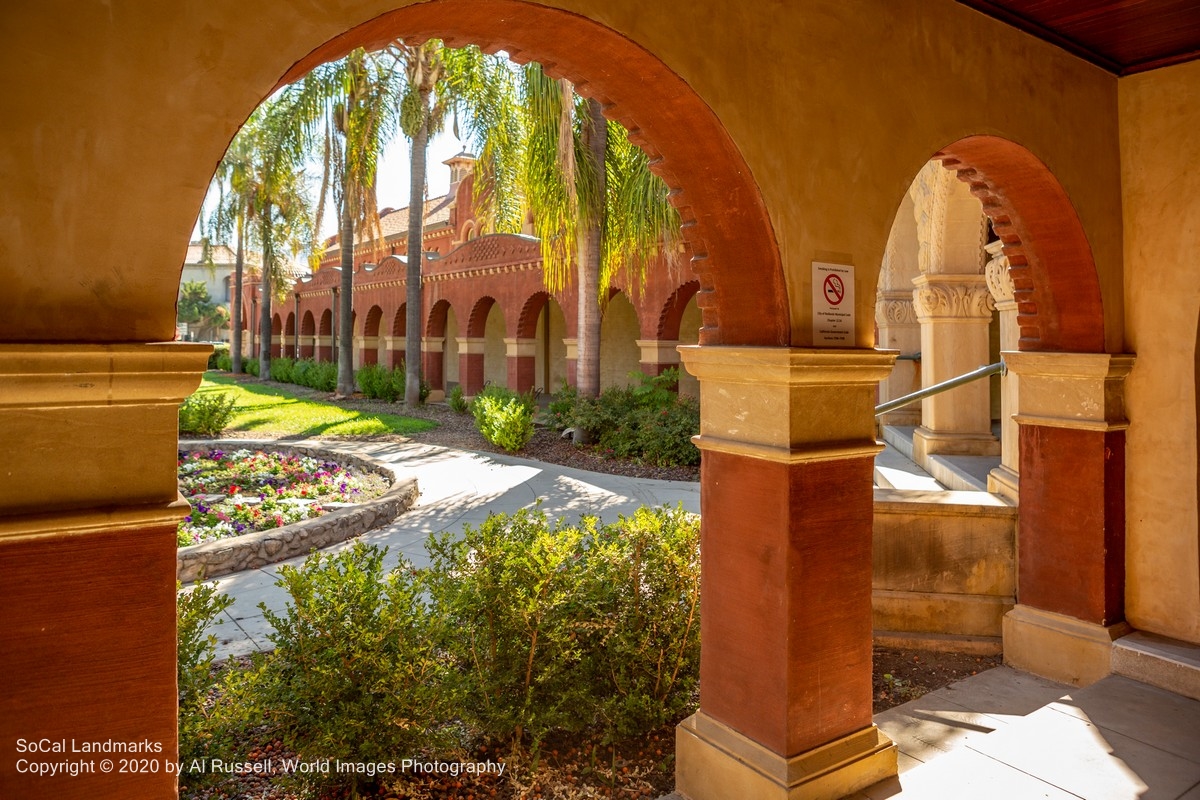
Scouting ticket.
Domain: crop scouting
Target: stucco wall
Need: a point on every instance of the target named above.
(1160, 164)
(619, 353)
(833, 133)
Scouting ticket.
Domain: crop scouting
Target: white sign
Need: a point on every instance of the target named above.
(833, 305)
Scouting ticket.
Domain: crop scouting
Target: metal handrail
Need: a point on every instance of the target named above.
(938, 388)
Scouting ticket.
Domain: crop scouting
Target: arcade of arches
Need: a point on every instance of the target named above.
(790, 134)
(512, 331)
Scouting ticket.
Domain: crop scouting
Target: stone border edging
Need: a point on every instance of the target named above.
(259, 548)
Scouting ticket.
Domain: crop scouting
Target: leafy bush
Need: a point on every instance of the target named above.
(355, 675)
(281, 369)
(300, 370)
(206, 413)
(195, 611)
(646, 421)
(504, 417)
(376, 382)
(224, 362)
(214, 358)
(322, 376)
(559, 414)
(457, 402)
(568, 627)
(252, 366)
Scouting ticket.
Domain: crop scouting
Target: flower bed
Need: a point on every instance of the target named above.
(239, 492)
(260, 488)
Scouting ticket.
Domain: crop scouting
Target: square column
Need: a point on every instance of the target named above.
(658, 355)
(88, 511)
(431, 367)
(395, 350)
(470, 364)
(788, 446)
(366, 350)
(955, 312)
(899, 330)
(572, 359)
(1004, 479)
(521, 356)
(1071, 530)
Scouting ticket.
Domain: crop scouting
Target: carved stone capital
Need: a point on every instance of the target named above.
(952, 297)
(895, 308)
(999, 282)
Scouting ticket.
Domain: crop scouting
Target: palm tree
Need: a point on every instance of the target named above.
(232, 185)
(597, 208)
(423, 109)
(278, 211)
(352, 103)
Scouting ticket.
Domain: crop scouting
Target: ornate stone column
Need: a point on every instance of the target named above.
(899, 330)
(1003, 480)
(521, 363)
(87, 564)
(954, 311)
(471, 350)
(788, 437)
(1071, 530)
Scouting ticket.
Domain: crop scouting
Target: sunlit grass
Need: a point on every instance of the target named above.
(272, 410)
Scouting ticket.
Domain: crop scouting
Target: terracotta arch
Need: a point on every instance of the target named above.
(308, 325)
(672, 311)
(530, 311)
(435, 326)
(371, 325)
(742, 296)
(399, 319)
(477, 321)
(1058, 298)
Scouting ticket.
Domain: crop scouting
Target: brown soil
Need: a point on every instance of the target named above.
(575, 766)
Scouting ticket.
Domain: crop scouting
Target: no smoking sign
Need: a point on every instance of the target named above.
(833, 304)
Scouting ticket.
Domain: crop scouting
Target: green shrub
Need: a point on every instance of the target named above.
(646, 421)
(214, 358)
(319, 375)
(559, 414)
(400, 382)
(569, 627)
(225, 362)
(457, 402)
(281, 369)
(300, 370)
(195, 611)
(206, 414)
(507, 591)
(376, 382)
(355, 675)
(252, 366)
(504, 417)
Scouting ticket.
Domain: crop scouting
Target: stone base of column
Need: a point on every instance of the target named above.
(714, 762)
(1059, 647)
(1004, 482)
(927, 443)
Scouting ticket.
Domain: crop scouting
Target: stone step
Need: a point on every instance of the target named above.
(1166, 663)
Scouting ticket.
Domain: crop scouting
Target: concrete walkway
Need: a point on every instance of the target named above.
(457, 488)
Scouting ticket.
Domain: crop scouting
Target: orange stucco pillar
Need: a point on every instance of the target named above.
(88, 509)
(1071, 533)
(786, 508)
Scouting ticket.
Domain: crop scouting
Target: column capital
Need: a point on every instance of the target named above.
(1071, 390)
(471, 345)
(515, 347)
(110, 411)
(659, 351)
(999, 282)
(788, 404)
(428, 344)
(895, 307)
(946, 297)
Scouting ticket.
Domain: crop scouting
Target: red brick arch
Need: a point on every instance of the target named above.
(371, 325)
(477, 322)
(1056, 285)
(531, 309)
(742, 296)
(672, 311)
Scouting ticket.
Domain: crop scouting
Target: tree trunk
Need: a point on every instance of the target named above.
(345, 349)
(264, 302)
(587, 365)
(416, 222)
(235, 302)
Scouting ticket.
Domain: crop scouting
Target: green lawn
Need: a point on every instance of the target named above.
(270, 409)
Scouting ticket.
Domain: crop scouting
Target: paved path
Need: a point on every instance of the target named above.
(457, 488)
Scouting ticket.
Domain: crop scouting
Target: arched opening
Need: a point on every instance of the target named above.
(680, 322)
(308, 335)
(276, 336)
(290, 336)
(619, 351)
(374, 346)
(397, 355)
(325, 336)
